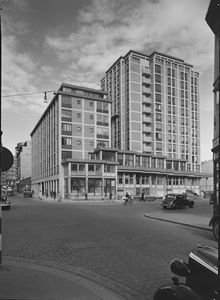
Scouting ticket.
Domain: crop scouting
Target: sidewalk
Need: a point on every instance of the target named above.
(201, 222)
(27, 281)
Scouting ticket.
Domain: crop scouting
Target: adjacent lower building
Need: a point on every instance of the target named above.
(76, 121)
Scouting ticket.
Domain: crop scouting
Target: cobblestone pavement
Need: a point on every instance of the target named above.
(113, 245)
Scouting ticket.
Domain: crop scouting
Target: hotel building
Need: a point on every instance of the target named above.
(140, 132)
(155, 106)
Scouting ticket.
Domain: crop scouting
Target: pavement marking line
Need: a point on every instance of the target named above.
(176, 222)
(95, 288)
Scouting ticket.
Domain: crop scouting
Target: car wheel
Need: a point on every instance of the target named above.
(191, 204)
(164, 207)
(215, 230)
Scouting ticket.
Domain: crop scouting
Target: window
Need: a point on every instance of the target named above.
(159, 146)
(91, 117)
(137, 161)
(81, 167)
(78, 101)
(79, 142)
(146, 161)
(158, 127)
(91, 168)
(78, 128)
(91, 129)
(66, 141)
(66, 101)
(78, 115)
(91, 104)
(74, 167)
(91, 143)
(158, 107)
(157, 78)
(158, 136)
(66, 154)
(157, 69)
(158, 97)
(169, 164)
(158, 88)
(66, 115)
(120, 159)
(67, 128)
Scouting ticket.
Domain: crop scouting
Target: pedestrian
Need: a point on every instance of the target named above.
(54, 195)
(142, 196)
(86, 196)
(110, 196)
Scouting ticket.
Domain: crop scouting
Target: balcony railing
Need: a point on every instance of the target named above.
(147, 138)
(146, 81)
(147, 109)
(146, 91)
(147, 119)
(147, 100)
(146, 71)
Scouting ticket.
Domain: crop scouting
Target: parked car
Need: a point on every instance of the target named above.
(177, 201)
(201, 273)
(10, 191)
(27, 192)
(5, 203)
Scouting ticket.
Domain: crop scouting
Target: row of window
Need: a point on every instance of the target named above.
(159, 180)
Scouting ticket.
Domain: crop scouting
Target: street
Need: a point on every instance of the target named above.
(113, 245)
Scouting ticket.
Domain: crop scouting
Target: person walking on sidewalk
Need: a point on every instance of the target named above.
(142, 196)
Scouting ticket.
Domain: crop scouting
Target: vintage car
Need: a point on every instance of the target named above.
(27, 192)
(5, 203)
(177, 201)
(201, 273)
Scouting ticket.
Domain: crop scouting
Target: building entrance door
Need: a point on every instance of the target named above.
(109, 187)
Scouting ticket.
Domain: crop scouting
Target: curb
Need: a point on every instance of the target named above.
(96, 288)
(180, 223)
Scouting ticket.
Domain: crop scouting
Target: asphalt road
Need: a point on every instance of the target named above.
(113, 245)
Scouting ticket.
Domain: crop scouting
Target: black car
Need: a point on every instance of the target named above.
(177, 201)
(201, 273)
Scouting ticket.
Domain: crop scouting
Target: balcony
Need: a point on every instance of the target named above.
(146, 91)
(146, 81)
(147, 128)
(147, 109)
(146, 71)
(147, 138)
(147, 119)
(147, 148)
(147, 100)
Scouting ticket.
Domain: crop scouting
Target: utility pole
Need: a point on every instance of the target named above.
(2, 1)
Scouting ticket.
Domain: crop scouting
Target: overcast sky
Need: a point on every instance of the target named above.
(47, 42)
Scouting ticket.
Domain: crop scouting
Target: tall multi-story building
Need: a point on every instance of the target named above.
(23, 164)
(155, 106)
(75, 122)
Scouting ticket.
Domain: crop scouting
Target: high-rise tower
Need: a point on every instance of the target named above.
(155, 106)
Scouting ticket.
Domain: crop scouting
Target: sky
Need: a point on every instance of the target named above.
(47, 42)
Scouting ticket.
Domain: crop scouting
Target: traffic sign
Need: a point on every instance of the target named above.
(7, 159)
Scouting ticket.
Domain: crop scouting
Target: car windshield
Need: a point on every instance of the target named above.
(170, 197)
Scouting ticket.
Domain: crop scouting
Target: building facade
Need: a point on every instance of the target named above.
(155, 106)
(23, 163)
(76, 121)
